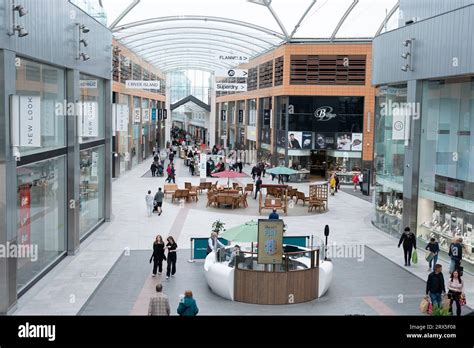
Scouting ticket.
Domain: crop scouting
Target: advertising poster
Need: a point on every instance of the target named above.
(241, 116)
(24, 228)
(307, 140)
(356, 141)
(324, 141)
(90, 119)
(270, 241)
(153, 114)
(223, 115)
(344, 141)
(266, 117)
(146, 115)
(165, 114)
(295, 139)
(122, 118)
(265, 135)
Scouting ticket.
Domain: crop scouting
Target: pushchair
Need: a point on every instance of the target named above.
(160, 170)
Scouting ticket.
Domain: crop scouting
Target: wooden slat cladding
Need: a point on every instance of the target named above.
(279, 68)
(265, 74)
(252, 79)
(125, 69)
(275, 288)
(116, 65)
(328, 69)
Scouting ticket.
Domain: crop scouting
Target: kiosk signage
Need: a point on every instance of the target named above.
(270, 241)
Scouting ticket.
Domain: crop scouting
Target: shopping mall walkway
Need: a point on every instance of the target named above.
(111, 274)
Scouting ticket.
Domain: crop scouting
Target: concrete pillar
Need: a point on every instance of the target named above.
(8, 184)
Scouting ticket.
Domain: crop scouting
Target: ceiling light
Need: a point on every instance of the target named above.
(21, 10)
(84, 29)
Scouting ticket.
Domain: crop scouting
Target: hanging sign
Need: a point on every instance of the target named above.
(232, 73)
(234, 59)
(153, 114)
(90, 119)
(137, 115)
(146, 115)
(230, 87)
(136, 84)
(121, 117)
(165, 114)
(26, 121)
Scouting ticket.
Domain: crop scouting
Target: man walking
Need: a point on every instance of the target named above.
(159, 304)
(149, 203)
(435, 285)
(409, 243)
(258, 183)
(159, 201)
(455, 252)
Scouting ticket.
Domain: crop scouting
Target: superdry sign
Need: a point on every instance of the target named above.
(231, 87)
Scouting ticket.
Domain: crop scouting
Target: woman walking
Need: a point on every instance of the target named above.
(187, 306)
(409, 243)
(171, 246)
(455, 291)
(158, 255)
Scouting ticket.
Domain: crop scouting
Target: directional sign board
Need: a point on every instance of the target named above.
(234, 59)
(231, 87)
(232, 73)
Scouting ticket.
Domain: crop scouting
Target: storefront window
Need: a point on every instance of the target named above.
(47, 82)
(92, 125)
(92, 189)
(41, 213)
(389, 161)
(446, 188)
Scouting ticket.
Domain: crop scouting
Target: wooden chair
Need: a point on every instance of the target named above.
(211, 199)
(314, 204)
(180, 194)
(188, 185)
(292, 193)
(193, 194)
(300, 195)
(243, 200)
(248, 188)
(170, 189)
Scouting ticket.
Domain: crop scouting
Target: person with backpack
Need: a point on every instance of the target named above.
(409, 243)
(187, 305)
(455, 253)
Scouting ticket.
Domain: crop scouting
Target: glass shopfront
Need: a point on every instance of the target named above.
(92, 125)
(47, 82)
(389, 161)
(41, 216)
(446, 188)
(92, 189)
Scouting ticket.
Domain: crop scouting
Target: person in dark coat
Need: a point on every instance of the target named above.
(435, 285)
(158, 255)
(187, 306)
(171, 246)
(258, 183)
(153, 169)
(409, 242)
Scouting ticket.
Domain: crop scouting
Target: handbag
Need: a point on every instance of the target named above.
(462, 300)
(414, 257)
(446, 303)
(424, 304)
(429, 256)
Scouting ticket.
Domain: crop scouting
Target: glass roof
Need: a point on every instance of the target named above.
(188, 34)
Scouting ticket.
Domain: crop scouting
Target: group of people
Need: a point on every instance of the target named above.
(160, 306)
(258, 170)
(435, 285)
(164, 252)
(154, 202)
(357, 180)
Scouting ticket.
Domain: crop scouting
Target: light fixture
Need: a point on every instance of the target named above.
(406, 43)
(405, 55)
(21, 10)
(84, 42)
(405, 68)
(408, 55)
(84, 29)
(14, 26)
(84, 56)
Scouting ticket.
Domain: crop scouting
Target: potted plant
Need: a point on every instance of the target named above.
(218, 226)
(440, 311)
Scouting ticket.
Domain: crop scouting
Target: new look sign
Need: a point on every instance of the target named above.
(26, 121)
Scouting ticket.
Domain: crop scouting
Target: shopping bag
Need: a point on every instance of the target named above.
(414, 257)
(429, 256)
(462, 300)
(430, 308)
(446, 303)
(424, 305)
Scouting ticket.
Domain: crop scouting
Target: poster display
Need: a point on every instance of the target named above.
(307, 140)
(295, 139)
(24, 228)
(90, 119)
(121, 114)
(324, 141)
(137, 115)
(146, 115)
(344, 141)
(357, 141)
(270, 241)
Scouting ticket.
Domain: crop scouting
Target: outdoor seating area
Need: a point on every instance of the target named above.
(227, 198)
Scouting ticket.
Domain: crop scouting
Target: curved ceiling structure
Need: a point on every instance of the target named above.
(189, 34)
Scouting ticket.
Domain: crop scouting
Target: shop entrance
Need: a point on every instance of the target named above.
(318, 163)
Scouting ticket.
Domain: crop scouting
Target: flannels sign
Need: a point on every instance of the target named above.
(324, 113)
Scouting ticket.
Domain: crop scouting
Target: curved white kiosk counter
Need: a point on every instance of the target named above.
(220, 277)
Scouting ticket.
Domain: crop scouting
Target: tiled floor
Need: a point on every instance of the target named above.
(67, 288)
